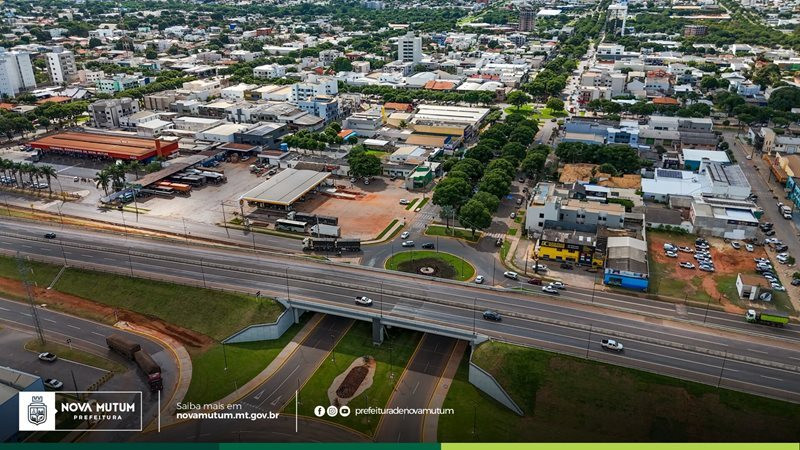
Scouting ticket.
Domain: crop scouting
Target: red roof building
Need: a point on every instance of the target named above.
(106, 146)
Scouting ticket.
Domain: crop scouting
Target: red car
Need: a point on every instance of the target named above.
(536, 281)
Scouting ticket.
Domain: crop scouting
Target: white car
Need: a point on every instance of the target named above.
(479, 279)
(404, 235)
(686, 265)
(558, 285)
(782, 258)
(686, 249)
(53, 384)
(510, 274)
(550, 290)
(771, 241)
(363, 301)
(610, 344)
(777, 287)
(736, 245)
(749, 247)
(48, 357)
(404, 201)
(671, 254)
(407, 243)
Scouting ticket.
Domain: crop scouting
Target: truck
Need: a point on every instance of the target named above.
(150, 368)
(319, 244)
(348, 245)
(122, 345)
(774, 318)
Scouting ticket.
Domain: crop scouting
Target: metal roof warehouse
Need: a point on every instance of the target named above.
(104, 145)
(285, 188)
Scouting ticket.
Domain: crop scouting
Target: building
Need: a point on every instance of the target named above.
(61, 66)
(16, 73)
(284, 189)
(12, 382)
(730, 220)
(365, 124)
(119, 83)
(160, 101)
(626, 263)
(91, 145)
(264, 134)
(107, 113)
(548, 210)
(269, 71)
(573, 246)
(225, 132)
(409, 48)
(780, 143)
(527, 19)
(90, 76)
(695, 30)
(751, 286)
(324, 107)
(314, 87)
(691, 159)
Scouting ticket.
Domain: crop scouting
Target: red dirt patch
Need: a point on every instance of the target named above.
(352, 381)
(95, 311)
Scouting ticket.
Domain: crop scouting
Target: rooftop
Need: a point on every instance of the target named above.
(286, 187)
(99, 143)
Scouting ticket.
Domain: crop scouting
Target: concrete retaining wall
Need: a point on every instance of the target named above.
(265, 331)
(484, 381)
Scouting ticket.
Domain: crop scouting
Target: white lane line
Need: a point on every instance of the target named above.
(73, 326)
(99, 334)
(772, 378)
(49, 320)
(4, 309)
(26, 314)
(757, 351)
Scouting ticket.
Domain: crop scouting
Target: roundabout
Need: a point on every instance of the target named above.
(432, 264)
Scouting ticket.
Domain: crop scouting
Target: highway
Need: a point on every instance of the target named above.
(757, 362)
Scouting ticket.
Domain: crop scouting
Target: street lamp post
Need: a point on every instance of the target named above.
(185, 233)
(724, 359)
(203, 272)
(287, 284)
(225, 220)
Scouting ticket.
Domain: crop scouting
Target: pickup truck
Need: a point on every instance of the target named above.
(610, 344)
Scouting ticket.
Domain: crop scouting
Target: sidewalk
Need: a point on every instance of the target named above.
(388, 234)
(430, 425)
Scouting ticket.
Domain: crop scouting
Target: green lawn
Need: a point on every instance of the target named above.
(464, 270)
(423, 202)
(186, 306)
(504, 250)
(411, 204)
(512, 232)
(439, 230)
(377, 153)
(386, 230)
(210, 380)
(75, 354)
(356, 344)
(573, 400)
(41, 274)
(524, 109)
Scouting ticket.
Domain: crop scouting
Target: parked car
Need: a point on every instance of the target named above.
(769, 233)
(50, 235)
(498, 242)
(513, 215)
(408, 244)
(363, 301)
(53, 384)
(494, 316)
(610, 344)
(428, 245)
(686, 249)
(777, 287)
(404, 201)
(671, 254)
(510, 274)
(479, 279)
(686, 265)
(781, 248)
(550, 290)
(47, 356)
(535, 281)
(670, 247)
(566, 265)
(706, 268)
(404, 235)
(736, 245)
(749, 247)
(795, 281)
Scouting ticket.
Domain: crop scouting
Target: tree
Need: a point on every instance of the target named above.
(496, 182)
(513, 150)
(342, 64)
(518, 98)
(452, 191)
(502, 165)
(555, 104)
(474, 215)
(785, 98)
(709, 83)
(447, 212)
(608, 168)
(472, 167)
(363, 164)
(95, 42)
(48, 172)
(533, 164)
(489, 200)
(151, 53)
(482, 153)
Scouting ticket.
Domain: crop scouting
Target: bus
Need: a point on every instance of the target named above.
(290, 225)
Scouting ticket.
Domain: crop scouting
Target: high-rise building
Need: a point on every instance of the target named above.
(106, 113)
(16, 72)
(527, 19)
(61, 66)
(409, 48)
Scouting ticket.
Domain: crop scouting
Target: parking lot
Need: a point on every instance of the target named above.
(15, 355)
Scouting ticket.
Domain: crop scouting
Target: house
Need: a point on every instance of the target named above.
(751, 286)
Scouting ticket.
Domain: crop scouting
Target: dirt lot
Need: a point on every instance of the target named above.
(366, 216)
(668, 279)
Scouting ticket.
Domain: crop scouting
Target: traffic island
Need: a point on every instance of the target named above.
(432, 264)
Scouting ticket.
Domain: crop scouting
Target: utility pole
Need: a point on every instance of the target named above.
(23, 272)
(224, 220)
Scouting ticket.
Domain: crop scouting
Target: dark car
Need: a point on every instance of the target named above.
(795, 281)
(498, 242)
(494, 316)
(428, 245)
(567, 266)
(536, 281)
(769, 233)
(782, 248)
(50, 235)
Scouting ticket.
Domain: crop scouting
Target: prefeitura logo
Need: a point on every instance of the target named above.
(37, 411)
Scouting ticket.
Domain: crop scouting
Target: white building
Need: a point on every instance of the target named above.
(269, 71)
(409, 48)
(61, 66)
(237, 92)
(314, 87)
(222, 133)
(16, 72)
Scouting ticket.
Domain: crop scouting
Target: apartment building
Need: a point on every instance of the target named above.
(314, 87)
(61, 66)
(16, 72)
(409, 48)
(107, 113)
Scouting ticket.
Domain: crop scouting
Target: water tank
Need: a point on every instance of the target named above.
(284, 147)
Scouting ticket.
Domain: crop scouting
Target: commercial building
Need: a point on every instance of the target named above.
(725, 219)
(626, 263)
(264, 134)
(695, 30)
(105, 146)
(527, 19)
(16, 72)
(269, 71)
(61, 66)
(548, 210)
(574, 246)
(324, 107)
(284, 189)
(225, 132)
(314, 87)
(160, 101)
(409, 48)
(107, 113)
(12, 382)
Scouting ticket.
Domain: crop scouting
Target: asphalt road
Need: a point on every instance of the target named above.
(91, 336)
(553, 323)
(414, 390)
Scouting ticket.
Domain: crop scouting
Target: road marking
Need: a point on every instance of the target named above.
(73, 326)
(258, 396)
(758, 351)
(4, 309)
(772, 378)
(26, 314)
(49, 320)
(99, 334)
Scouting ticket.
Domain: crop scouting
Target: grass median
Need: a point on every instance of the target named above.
(445, 265)
(438, 230)
(570, 399)
(75, 354)
(390, 357)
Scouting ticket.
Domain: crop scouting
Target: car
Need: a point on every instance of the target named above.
(494, 316)
(766, 225)
(53, 384)
(795, 281)
(686, 265)
(498, 242)
(363, 301)
(670, 247)
(781, 248)
(47, 356)
(405, 235)
(771, 241)
(550, 290)
(777, 287)
(611, 344)
(748, 157)
(408, 244)
(535, 281)
(706, 268)
(558, 285)
(566, 265)
(782, 259)
(770, 278)
(521, 180)
(513, 215)
(700, 241)
(780, 205)
(749, 247)
(671, 254)
(50, 235)
(736, 245)
(686, 249)
(404, 201)
(787, 216)
(761, 259)
(510, 274)
(479, 279)
(769, 233)
(429, 245)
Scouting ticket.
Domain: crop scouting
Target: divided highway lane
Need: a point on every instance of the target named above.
(378, 281)
(457, 311)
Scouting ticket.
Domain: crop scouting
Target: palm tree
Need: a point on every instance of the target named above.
(5, 164)
(135, 167)
(447, 212)
(103, 180)
(16, 172)
(48, 172)
(30, 170)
